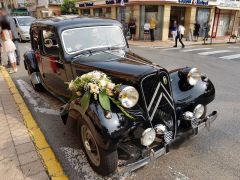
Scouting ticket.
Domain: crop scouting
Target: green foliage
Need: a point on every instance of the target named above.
(104, 100)
(118, 104)
(85, 100)
(68, 7)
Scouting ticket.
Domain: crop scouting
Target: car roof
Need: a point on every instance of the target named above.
(65, 22)
(22, 17)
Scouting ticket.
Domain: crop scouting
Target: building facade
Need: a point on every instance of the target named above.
(165, 12)
(46, 8)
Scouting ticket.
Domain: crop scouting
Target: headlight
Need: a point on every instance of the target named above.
(193, 76)
(198, 111)
(128, 97)
(148, 137)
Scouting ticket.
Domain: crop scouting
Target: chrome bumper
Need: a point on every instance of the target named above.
(147, 160)
(206, 122)
(202, 123)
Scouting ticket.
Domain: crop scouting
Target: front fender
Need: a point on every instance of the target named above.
(107, 132)
(186, 98)
(30, 61)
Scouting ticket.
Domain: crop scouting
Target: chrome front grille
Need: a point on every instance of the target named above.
(157, 94)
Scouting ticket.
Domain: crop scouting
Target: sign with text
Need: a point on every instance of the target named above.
(228, 3)
(195, 2)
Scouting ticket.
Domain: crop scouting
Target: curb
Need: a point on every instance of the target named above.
(50, 162)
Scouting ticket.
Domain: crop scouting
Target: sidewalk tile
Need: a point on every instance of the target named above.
(13, 159)
(28, 157)
(24, 148)
(40, 176)
(8, 151)
(32, 168)
(21, 139)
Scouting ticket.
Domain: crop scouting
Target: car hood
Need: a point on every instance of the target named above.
(25, 28)
(120, 64)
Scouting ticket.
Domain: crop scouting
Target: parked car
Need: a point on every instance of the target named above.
(170, 103)
(23, 24)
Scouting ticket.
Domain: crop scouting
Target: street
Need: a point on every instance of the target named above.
(210, 155)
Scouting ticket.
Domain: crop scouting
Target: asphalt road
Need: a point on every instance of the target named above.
(210, 155)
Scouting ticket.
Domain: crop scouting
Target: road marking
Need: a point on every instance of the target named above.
(28, 94)
(175, 48)
(197, 49)
(235, 56)
(213, 52)
(179, 175)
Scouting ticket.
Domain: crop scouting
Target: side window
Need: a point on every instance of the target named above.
(15, 21)
(50, 44)
(35, 38)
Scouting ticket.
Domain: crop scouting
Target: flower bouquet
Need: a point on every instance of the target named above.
(98, 85)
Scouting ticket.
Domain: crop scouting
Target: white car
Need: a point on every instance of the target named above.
(23, 24)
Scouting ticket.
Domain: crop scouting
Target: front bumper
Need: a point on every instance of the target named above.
(205, 122)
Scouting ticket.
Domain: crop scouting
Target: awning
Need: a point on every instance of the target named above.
(229, 8)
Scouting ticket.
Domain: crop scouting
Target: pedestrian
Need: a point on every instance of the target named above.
(196, 31)
(146, 30)
(152, 27)
(132, 28)
(7, 44)
(180, 33)
(174, 30)
(206, 29)
(15, 38)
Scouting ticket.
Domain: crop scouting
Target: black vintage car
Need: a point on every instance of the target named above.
(169, 105)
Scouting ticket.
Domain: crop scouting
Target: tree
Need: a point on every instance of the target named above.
(68, 7)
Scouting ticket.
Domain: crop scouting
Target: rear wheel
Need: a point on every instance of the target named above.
(102, 161)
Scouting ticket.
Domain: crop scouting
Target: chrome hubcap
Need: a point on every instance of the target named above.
(90, 145)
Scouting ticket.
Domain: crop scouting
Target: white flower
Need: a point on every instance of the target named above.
(93, 88)
(96, 75)
(103, 83)
(78, 93)
(110, 86)
(71, 86)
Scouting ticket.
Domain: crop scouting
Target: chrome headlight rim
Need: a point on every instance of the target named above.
(148, 137)
(199, 111)
(194, 75)
(128, 96)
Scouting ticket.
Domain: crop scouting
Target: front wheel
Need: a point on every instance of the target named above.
(102, 161)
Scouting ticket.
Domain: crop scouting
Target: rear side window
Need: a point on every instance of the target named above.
(35, 38)
(50, 43)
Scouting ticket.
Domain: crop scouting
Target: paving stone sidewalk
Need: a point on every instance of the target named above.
(18, 156)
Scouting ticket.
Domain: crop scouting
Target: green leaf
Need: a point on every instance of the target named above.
(118, 104)
(85, 101)
(104, 100)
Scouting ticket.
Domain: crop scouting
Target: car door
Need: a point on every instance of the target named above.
(53, 68)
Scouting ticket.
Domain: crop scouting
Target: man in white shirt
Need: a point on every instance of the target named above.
(180, 33)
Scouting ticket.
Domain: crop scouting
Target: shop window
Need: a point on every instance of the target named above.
(98, 12)
(85, 12)
(108, 12)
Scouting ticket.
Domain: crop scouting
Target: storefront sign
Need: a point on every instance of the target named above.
(119, 1)
(228, 3)
(110, 2)
(87, 4)
(196, 2)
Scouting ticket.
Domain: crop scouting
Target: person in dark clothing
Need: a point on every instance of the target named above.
(5, 17)
(132, 28)
(196, 31)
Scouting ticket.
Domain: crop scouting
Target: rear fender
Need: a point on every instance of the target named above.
(30, 61)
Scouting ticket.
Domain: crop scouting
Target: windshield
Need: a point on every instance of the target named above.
(88, 38)
(25, 21)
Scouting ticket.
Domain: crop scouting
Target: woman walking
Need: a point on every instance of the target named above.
(8, 45)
